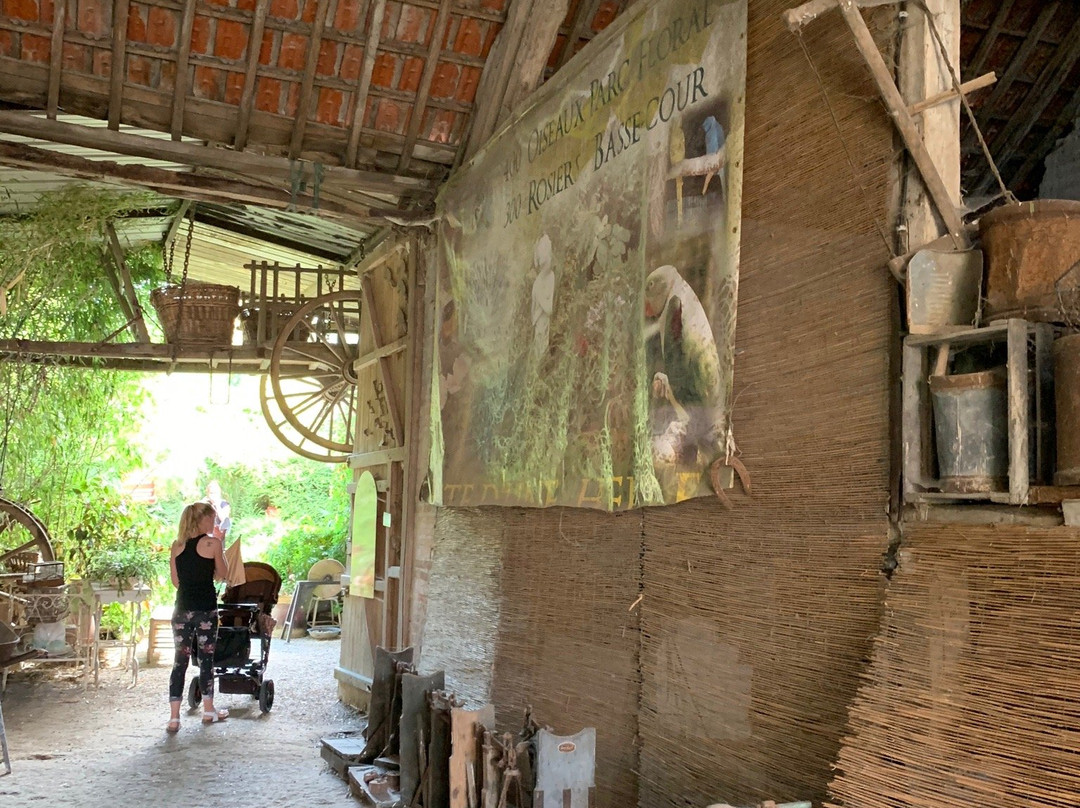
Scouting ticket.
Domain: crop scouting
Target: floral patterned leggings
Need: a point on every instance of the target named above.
(193, 631)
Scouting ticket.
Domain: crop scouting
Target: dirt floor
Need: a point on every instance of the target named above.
(87, 747)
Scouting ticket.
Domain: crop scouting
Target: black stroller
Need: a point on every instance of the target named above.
(244, 615)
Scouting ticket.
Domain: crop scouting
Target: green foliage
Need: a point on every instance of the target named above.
(65, 430)
(114, 541)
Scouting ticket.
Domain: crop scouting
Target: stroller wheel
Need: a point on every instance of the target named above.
(194, 693)
(266, 695)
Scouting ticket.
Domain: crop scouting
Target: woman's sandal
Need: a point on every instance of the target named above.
(212, 717)
(173, 725)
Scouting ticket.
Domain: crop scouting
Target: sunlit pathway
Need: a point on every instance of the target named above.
(108, 747)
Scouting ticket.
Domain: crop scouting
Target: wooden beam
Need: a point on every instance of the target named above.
(118, 293)
(371, 50)
(26, 83)
(1037, 156)
(416, 116)
(183, 52)
(308, 80)
(200, 188)
(379, 457)
(1019, 59)
(56, 58)
(796, 18)
(1046, 86)
(986, 44)
(965, 88)
(371, 358)
(515, 66)
(119, 67)
(894, 102)
(586, 12)
(275, 169)
(247, 95)
(139, 325)
(389, 387)
(174, 225)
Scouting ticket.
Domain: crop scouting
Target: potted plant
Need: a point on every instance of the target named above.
(112, 548)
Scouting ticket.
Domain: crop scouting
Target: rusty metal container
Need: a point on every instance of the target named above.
(1067, 405)
(1032, 254)
(971, 426)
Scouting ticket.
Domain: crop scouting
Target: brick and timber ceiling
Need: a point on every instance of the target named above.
(353, 112)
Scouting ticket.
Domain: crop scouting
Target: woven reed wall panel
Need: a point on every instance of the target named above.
(567, 643)
(757, 621)
(463, 601)
(972, 696)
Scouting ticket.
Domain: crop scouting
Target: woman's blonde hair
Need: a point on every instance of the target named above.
(189, 522)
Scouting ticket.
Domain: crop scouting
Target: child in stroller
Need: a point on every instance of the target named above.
(244, 615)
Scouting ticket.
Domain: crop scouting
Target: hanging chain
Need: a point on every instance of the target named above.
(187, 250)
(169, 254)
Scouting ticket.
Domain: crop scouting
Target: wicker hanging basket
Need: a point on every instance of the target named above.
(196, 313)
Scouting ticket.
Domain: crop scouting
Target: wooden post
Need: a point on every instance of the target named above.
(897, 107)
(1018, 411)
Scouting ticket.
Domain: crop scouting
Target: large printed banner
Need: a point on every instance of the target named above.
(588, 277)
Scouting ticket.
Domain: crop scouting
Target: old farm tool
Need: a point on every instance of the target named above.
(565, 766)
(313, 375)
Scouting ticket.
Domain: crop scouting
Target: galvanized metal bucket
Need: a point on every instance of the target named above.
(971, 426)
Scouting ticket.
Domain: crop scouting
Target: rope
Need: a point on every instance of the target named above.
(847, 153)
(1005, 192)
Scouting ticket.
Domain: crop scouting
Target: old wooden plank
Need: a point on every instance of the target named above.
(183, 52)
(466, 727)
(943, 200)
(1018, 411)
(582, 23)
(965, 88)
(1047, 85)
(912, 406)
(27, 82)
(251, 71)
(389, 385)
(304, 103)
(796, 18)
(1044, 404)
(197, 187)
(1018, 62)
(56, 58)
(416, 116)
(128, 288)
(119, 62)
(379, 457)
(370, 358)
(371, 50)
(266, 167)
(977, 62)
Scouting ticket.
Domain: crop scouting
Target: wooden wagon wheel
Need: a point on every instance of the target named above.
(312, 370)
(287, 433)
(29, 532)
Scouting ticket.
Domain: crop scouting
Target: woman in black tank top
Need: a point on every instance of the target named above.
(195, 560)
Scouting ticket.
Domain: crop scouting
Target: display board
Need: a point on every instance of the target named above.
(588, 277)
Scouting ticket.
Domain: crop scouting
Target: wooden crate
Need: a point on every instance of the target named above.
(1030, 408)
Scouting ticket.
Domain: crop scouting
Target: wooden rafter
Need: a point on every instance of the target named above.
(267, 168)
(184, 185)
(1046, 86)
(119, 62)
(515, 66)
(586, 11)
(126, 286)
(56, 58)
(183, 52)
(371, 51)
(986, 44)
(1035, 158)
(247, 96)
(416, 117)
(308, 80)
(174, 225)
(1019, 59)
